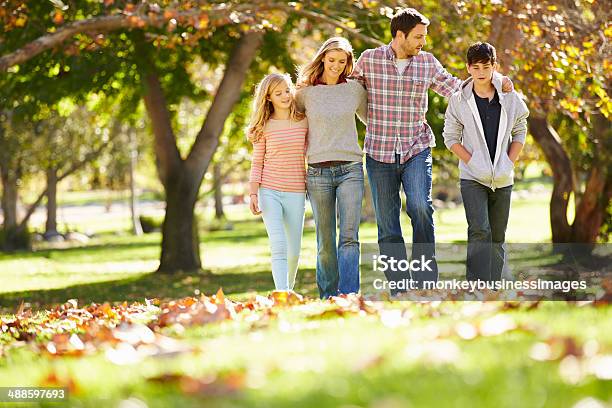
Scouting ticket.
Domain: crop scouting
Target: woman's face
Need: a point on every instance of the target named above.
(334, 63)
(280, 96)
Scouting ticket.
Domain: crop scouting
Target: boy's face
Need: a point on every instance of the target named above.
(414, 41)
(482, 72)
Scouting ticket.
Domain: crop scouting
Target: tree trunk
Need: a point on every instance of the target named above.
(593, 205)
(217, 185)
(180, 241)
(13, 238)
(182, 178)
(592, 209)
(563, 179)
(9, 199)
(136, 227)
(51, 224)
(226, 97)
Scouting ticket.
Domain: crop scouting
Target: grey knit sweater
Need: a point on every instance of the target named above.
(332, 131)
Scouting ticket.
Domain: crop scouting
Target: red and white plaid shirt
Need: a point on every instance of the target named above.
(397, 102)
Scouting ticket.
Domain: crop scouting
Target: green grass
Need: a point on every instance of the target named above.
(99, 197)
(354, 361)
(293, 360)
(119, 266)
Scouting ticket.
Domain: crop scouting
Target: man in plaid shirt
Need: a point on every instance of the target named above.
(398, 139)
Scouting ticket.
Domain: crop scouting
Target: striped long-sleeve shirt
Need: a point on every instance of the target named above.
(278, 157)
(397, 101)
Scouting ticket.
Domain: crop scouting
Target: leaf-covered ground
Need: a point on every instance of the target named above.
(250, 349)
(284, 350)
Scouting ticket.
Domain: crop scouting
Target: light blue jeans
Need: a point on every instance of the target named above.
(337, 190)
(283, 215)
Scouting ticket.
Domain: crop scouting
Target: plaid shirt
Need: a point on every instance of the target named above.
(397, 103)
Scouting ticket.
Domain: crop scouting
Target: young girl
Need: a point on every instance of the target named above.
(277, 182)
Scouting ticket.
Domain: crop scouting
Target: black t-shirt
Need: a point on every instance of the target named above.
(490, 112)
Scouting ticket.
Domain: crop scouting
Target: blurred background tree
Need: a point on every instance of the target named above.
(191, 66)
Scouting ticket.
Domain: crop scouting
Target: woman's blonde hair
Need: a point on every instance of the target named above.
(263, 108)
(309, 73)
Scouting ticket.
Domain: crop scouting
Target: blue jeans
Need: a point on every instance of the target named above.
(487, 213)
(385, 181)
(283, 215)
(341, 186)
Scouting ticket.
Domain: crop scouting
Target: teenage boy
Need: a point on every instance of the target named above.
(398, 139)
(486, 129)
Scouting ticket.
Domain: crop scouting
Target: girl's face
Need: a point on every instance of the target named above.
(280, 96)
(334, 63)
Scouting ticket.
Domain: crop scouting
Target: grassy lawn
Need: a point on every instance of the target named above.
(406, 355)
(117, 266)
(313, 353)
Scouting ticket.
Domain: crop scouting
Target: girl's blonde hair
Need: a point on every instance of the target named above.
(309, 73)
(263, 108)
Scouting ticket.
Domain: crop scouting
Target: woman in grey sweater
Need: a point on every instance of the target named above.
(335, 171)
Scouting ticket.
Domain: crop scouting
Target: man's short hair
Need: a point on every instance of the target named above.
(405, 20)
(481, 52)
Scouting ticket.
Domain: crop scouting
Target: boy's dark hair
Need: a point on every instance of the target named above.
(481, 52)
(405, 20)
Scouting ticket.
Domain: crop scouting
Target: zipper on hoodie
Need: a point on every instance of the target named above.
(492, 186)
(493, 164)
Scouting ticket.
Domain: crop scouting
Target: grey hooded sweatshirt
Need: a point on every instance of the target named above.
(462, 124)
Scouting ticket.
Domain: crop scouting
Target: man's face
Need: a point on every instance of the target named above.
(482, 72)
(414, 41)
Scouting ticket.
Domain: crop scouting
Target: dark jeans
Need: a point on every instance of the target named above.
(487, 213)
(329, 189)
(385, 182)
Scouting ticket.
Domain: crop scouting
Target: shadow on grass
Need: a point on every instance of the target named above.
(243, 231)
(78, 250)
(157, 285)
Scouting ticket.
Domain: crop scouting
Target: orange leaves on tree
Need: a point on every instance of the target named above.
(202, 22)
(172, 25)
(170, 14)
(136, 21)
(20, 21)
(58, 17)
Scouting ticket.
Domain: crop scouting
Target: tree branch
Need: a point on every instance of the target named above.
(75, 166)
(221, 180)
(48, 41)
(218, 16)
(226, 96)
(167, 154)
(321, 18)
